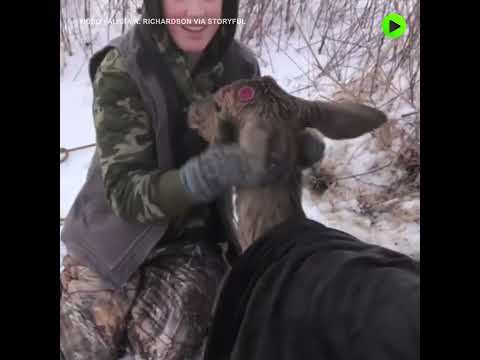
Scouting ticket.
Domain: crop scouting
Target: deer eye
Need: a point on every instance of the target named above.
(228, 132)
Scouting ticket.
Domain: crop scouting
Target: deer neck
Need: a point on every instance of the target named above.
(261, 209)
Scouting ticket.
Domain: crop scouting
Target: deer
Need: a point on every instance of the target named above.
(263, 118)
(305, 296)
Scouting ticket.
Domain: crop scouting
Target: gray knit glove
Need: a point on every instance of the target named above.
(220, 167)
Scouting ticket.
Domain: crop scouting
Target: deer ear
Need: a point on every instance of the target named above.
(341, 120)
(311, 147)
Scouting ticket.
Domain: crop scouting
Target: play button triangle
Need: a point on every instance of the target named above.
(393, 26)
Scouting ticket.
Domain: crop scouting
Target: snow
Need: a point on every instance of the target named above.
(387, 231)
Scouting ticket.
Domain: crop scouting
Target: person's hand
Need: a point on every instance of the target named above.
(223, 166)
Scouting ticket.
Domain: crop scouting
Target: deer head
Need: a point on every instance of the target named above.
(240, 111)
(264, 119)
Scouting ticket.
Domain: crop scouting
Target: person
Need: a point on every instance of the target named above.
(143, 235)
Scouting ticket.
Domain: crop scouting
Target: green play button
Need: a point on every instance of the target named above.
(394, 26)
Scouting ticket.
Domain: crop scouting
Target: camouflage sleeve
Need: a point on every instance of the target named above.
(135, 188)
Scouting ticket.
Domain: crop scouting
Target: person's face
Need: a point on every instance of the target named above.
(192, 38)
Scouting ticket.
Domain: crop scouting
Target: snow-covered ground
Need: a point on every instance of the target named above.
(338, 207)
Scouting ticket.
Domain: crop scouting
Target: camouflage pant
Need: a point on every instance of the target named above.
(162, 313)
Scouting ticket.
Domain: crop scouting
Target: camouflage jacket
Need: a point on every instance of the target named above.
(136, 189)
(131, 194)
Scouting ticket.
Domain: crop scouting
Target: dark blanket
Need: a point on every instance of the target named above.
(305, 291)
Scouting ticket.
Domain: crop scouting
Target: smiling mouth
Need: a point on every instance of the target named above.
(194, 28)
